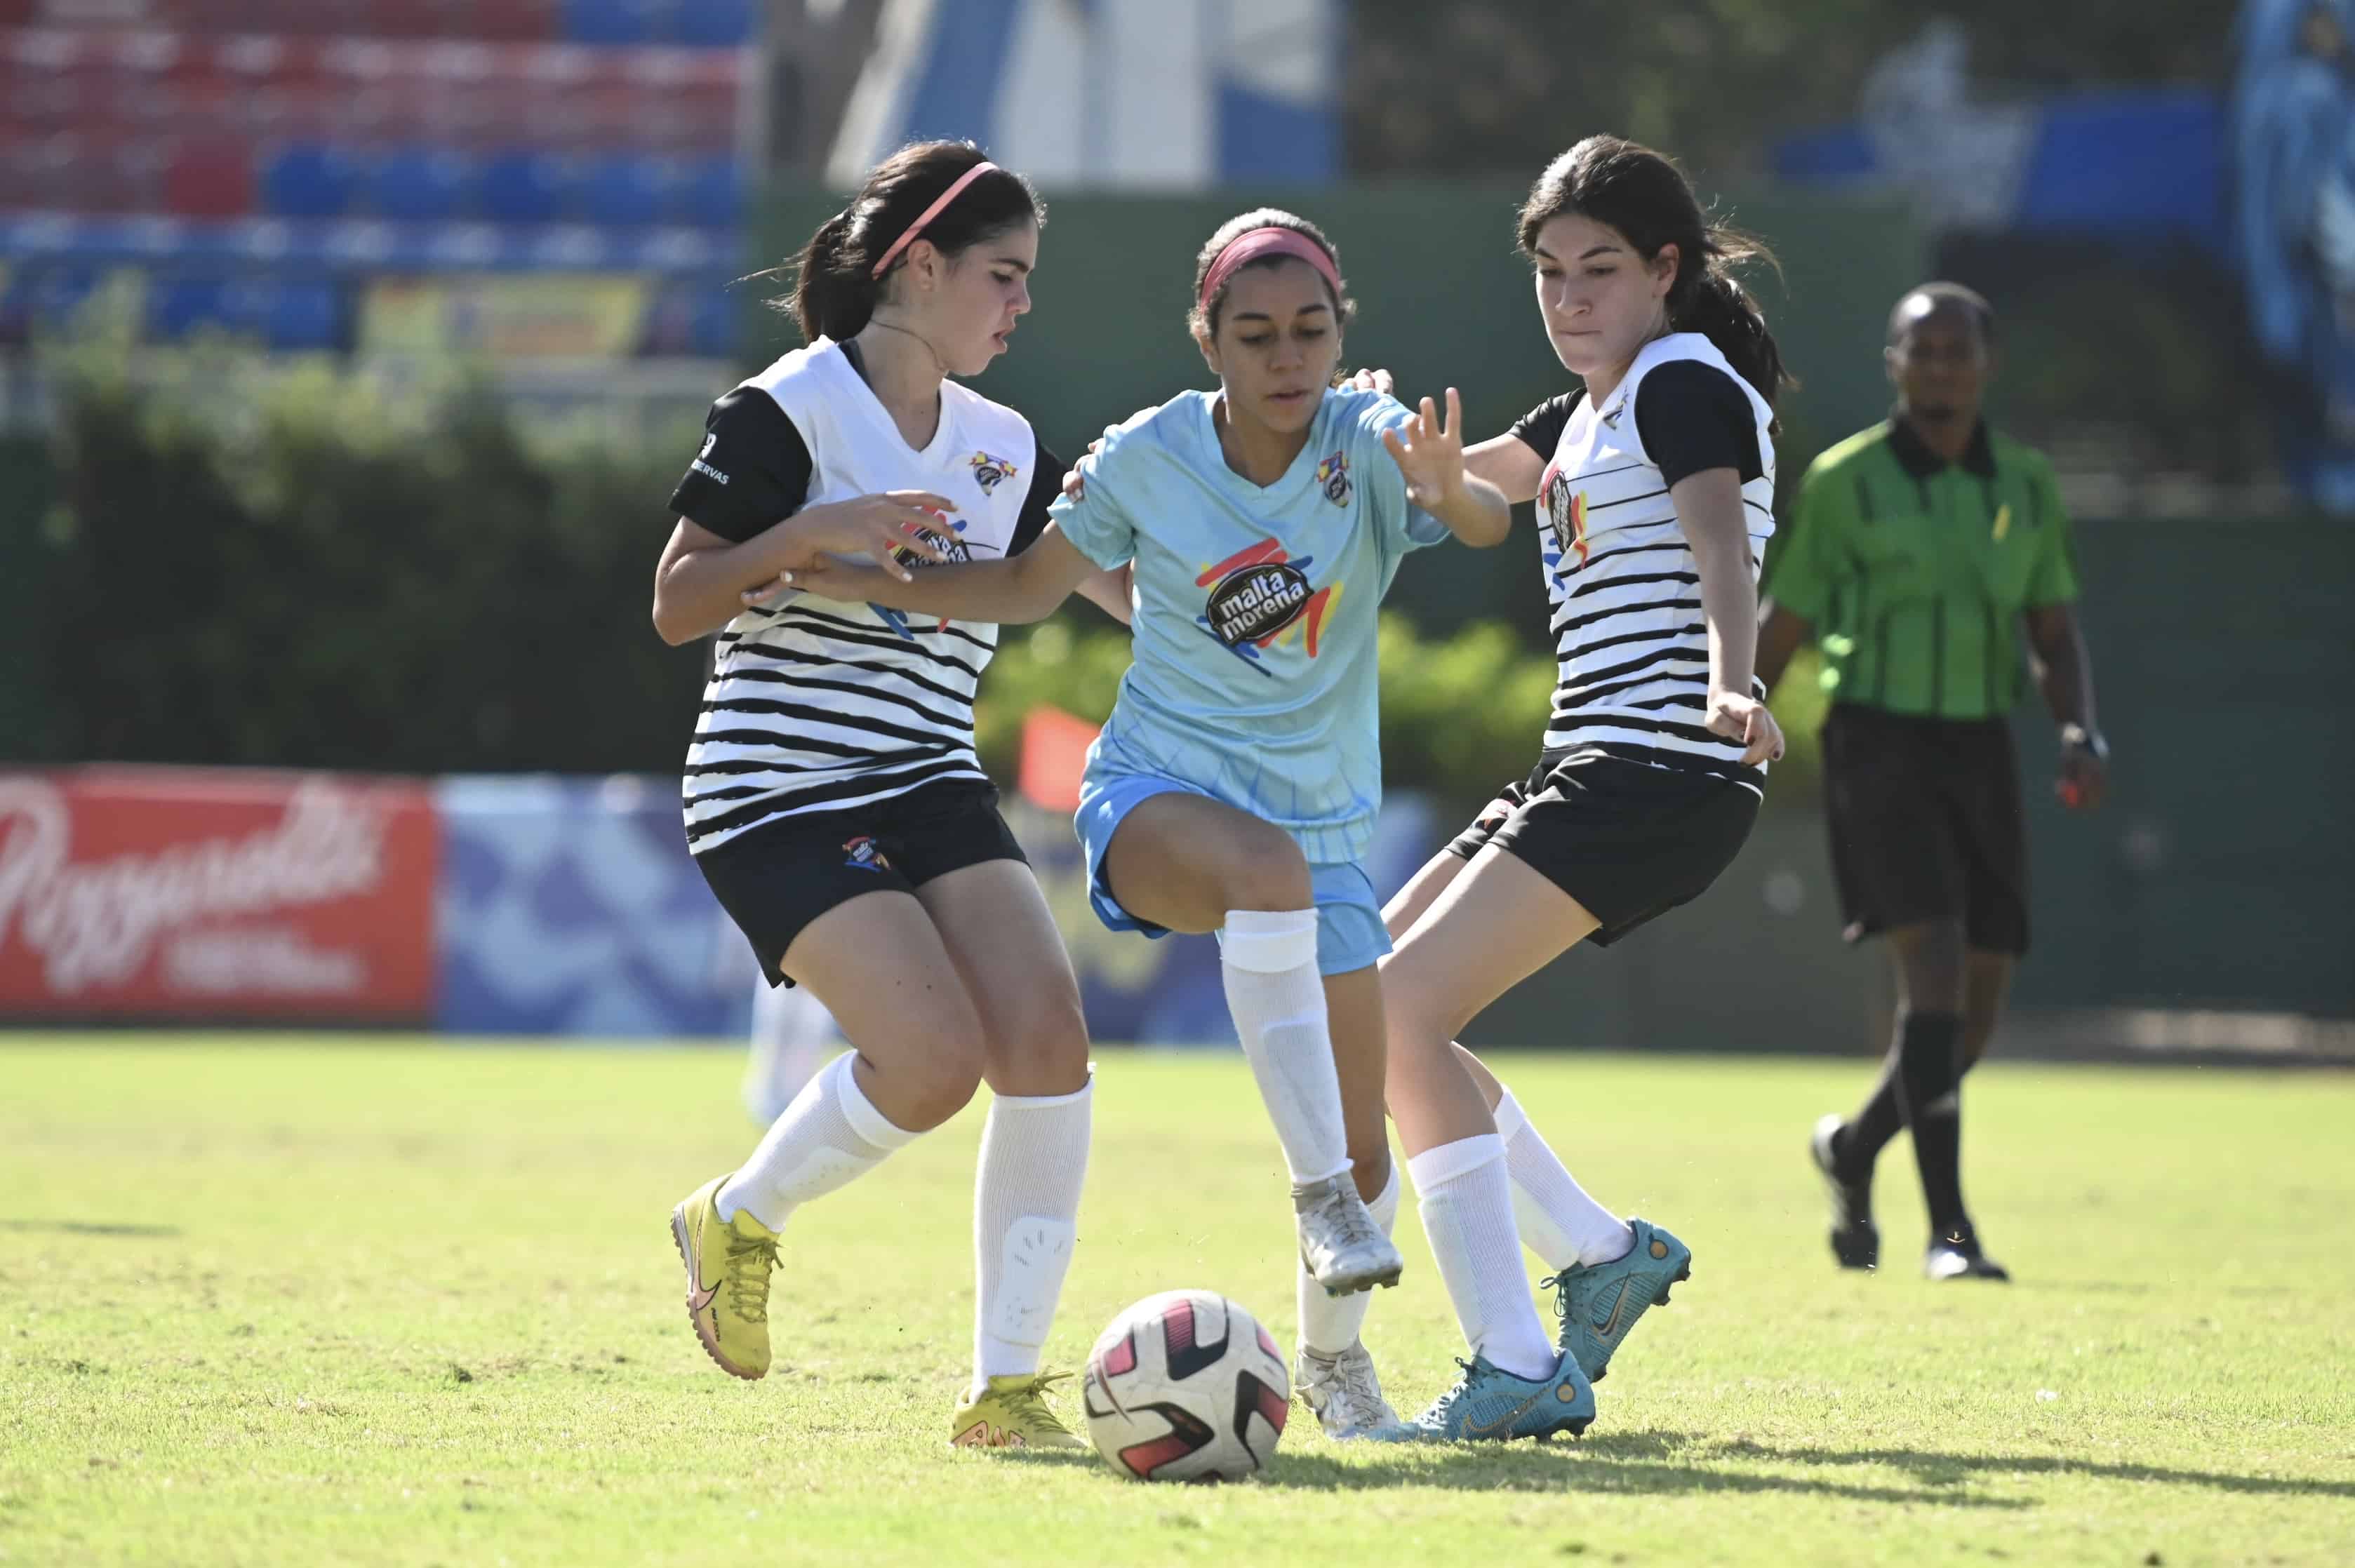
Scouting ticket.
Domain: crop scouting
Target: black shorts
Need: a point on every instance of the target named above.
(1926, 825)
(1627, 841)
(775, 879)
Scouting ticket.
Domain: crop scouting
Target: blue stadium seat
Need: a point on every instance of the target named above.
(716, 327)
(708, 194)
(418, 184)
(179, 305)
(712, 24)
(303, 314)
(520, 185)
(614, 21)
(305, 179)
(624, 190)
(42, 299)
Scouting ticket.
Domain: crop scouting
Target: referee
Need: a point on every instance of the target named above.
(1917, 545)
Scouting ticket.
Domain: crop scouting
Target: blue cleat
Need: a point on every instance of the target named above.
(1598, 1304)
(1489, 1404)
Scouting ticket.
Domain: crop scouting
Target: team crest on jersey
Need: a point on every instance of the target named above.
(862, 854)
(1333, 478)
(1260, 596)
(990, 471)
(1565, 521)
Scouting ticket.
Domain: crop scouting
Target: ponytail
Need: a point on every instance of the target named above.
(1719, 308)
(833, 294)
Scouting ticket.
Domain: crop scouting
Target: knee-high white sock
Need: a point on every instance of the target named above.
(1468, 1214)
(828, 1137)
(1268, 959)
(1026, 1207)
(1559, 1222)
(1331, 1324)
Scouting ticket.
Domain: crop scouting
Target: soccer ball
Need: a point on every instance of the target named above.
(1186, 1387)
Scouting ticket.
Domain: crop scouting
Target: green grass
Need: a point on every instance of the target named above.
(355, 1301)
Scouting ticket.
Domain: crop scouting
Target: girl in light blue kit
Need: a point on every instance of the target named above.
(1235, 786)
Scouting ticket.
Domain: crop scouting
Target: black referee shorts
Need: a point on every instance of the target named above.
(1629, 842)
(773, 880)
(1926, 825)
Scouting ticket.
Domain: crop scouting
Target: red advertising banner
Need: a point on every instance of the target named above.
(194, 893)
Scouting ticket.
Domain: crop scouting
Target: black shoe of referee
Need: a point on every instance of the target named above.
(1957, 1255)
(1856, 1240)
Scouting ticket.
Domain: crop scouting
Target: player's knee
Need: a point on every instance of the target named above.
(1264, 870)
(1931, 957)
(1046, 1052)
(942, 1075)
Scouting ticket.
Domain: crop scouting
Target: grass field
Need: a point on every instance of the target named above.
(346, 1302)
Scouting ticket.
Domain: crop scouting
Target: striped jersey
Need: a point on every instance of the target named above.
(1621, 586)
(815, 706)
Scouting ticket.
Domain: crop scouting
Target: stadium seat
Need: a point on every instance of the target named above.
(712, 24)
(613, 21)
(418, 184)
(519, 186)
(209, 177)
(624, 190)
(177, 305)
(308, 180)
(707, 194)
(44, 299)
(700, 320)
(303, 314)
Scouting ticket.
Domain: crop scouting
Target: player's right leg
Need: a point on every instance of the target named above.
(878, 964)
(1182, 861)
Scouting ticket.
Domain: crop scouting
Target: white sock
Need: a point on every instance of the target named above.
(1557, 1221)
(1025, 1206)
(1331, 1324)
(829, 1136)
(1268, 959)
(1467, 1214)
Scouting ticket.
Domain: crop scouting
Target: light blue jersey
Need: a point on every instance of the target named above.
(1256, 611)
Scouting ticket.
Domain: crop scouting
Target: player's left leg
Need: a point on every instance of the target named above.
(1034, 1148)
(1494, 924)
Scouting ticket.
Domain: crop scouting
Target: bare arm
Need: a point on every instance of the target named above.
(701, 576)
(1011, 592)
(1781, 632)
(1431, 455)
(2064, 674)
(1108, 591)
(1506, 462)
(1709, 510)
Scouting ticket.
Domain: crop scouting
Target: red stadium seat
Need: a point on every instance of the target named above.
(209, 177)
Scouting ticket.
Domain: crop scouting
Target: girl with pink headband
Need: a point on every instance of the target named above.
(833, 799)
(1235, 786)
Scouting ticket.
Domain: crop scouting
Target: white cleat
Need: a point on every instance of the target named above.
(1340, 1246)
(1344, 1391)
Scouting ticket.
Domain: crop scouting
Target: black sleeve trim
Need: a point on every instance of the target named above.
(752, 472)
(1693, 417)
(1540, 428)
(1046, 485)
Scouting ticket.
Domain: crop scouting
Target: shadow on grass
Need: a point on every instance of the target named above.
(88, 1228)
(1955, 1469)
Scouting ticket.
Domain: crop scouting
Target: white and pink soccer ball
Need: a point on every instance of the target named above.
(1186, 1387)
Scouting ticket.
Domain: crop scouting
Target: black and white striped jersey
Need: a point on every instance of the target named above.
(1621, 583)
(815, 706)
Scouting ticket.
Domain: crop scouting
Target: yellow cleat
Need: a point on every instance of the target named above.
(1012, 1412)
(727, 1264)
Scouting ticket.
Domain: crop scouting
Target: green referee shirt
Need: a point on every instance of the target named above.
(1914, 571)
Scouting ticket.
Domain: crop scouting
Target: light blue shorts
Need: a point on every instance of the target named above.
(1349, 931)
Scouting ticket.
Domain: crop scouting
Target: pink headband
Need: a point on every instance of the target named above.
(1259, 242)
(931, 213)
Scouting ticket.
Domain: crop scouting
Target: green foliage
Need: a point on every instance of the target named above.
(390, 1302)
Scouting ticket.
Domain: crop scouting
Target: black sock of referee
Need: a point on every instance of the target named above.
(1929, 1079)
(1868, 1132)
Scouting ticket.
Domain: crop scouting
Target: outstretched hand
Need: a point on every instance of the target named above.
(1430, 454)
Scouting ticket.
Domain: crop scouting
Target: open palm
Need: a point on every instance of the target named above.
(1430, 452)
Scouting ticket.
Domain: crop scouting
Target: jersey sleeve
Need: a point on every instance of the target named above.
(2053, 578)
(1098, 524)
(1813, 559)
(1405, 526)
(752, 472)
(1692, 418)
(1045, 486)
(1540, 428)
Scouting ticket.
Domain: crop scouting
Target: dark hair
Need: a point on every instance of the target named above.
(1944, 297)
(835, 286)
(1647, 198)
(1203, 316)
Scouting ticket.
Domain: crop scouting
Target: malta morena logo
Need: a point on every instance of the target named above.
(990, 471)
(1260, 596)
(1333, 478)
